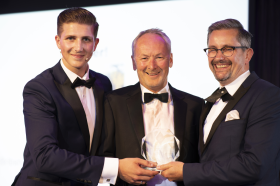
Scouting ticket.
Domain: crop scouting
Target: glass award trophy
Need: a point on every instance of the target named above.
(160, 146)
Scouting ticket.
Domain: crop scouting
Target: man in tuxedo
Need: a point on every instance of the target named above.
(239, 140)
(63, 111)
(150, 105)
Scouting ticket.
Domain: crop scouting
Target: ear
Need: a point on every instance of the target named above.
(171, 60)
(133, 63)
(95, 44)
(248, 55)
(57, 40)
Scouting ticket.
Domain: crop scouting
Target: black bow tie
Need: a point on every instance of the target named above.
(148, 97)
(220, 93)
(80, 82)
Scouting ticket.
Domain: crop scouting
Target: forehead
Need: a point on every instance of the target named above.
(220, 38)
(77, 29)
(151, 42)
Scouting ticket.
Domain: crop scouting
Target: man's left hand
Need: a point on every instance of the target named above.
(173, 171)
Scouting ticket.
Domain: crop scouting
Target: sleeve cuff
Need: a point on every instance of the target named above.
(110, 171)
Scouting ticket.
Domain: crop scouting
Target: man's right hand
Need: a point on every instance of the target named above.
(130, 170)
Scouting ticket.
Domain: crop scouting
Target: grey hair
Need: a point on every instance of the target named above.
(153, 31)
(243, 36)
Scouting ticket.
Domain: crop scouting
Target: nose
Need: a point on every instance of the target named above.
(152, 64)
(78, 46)
(220, 55)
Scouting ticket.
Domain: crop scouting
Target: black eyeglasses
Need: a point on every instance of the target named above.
(226, 51)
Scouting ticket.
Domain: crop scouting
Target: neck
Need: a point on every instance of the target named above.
(79, 71)
(154, 89)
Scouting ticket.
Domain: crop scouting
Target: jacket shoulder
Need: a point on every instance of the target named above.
(187, 96)
(128, 90)
(105, 81)
(43, 78)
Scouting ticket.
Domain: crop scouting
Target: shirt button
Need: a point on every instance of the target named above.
(107, 180)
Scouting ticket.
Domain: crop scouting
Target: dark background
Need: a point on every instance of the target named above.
(264, 24)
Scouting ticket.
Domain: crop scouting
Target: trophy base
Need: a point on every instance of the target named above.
(151, 168)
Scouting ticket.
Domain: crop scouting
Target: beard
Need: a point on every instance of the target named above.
(221, 62)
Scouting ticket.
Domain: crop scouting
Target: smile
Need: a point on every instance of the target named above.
(153, 73)
(221, 66)
(77, 56)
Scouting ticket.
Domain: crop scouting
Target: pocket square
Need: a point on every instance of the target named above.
(232, 115)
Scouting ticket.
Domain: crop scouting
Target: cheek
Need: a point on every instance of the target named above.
(164, 65)
(141, 66)
(66, 46)
(210, 64)
(89, 47)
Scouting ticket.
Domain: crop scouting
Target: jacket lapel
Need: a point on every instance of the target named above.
(203, 116)
(98, 92)
(63, 84)
(134, 105)
(180, 111)
(236, 97)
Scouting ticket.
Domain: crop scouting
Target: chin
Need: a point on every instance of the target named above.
(221, 79)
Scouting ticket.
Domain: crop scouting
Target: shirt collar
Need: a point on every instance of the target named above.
(233, 86)
(164, 90)
(71, 75)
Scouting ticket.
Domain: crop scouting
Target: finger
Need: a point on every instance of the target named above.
(149, 173)
(164, 167)
(139, 183)
(164, 174)
(147, 163)
(154, 164)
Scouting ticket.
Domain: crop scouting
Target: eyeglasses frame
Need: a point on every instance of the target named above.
(233, 47)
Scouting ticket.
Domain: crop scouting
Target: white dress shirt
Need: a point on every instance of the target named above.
(158, 115)
(219, 104)
(110, 169)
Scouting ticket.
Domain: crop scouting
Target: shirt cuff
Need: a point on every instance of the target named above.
(110, 171)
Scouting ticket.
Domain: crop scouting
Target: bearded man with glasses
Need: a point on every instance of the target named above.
(239, 140)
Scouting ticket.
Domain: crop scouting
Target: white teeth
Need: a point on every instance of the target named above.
(152, 74)
(221, 66)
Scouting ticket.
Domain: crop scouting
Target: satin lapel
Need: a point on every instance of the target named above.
(180, 111)
(236, 97)
(203, 116)
(98, 92)
(134, 105)
(73, 99)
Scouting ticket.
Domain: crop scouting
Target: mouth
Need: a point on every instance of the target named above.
(153, 73)
(77, 56)
(220, 66)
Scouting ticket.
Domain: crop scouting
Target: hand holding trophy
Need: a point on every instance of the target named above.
(161, 146)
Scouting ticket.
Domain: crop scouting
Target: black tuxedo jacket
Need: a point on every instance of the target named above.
(57, 148)
(245, 151)
(123, 127)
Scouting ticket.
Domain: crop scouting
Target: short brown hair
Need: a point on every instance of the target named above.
(76, 15)
(243, 37)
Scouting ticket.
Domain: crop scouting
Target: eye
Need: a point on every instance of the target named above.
(227, 49)
(86, 39)
(212, 50)
(70, 38)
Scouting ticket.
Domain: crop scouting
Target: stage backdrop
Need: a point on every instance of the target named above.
(28, 47)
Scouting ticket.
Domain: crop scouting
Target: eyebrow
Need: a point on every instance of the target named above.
(76, 36)
(211, 46)
(144, 55)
